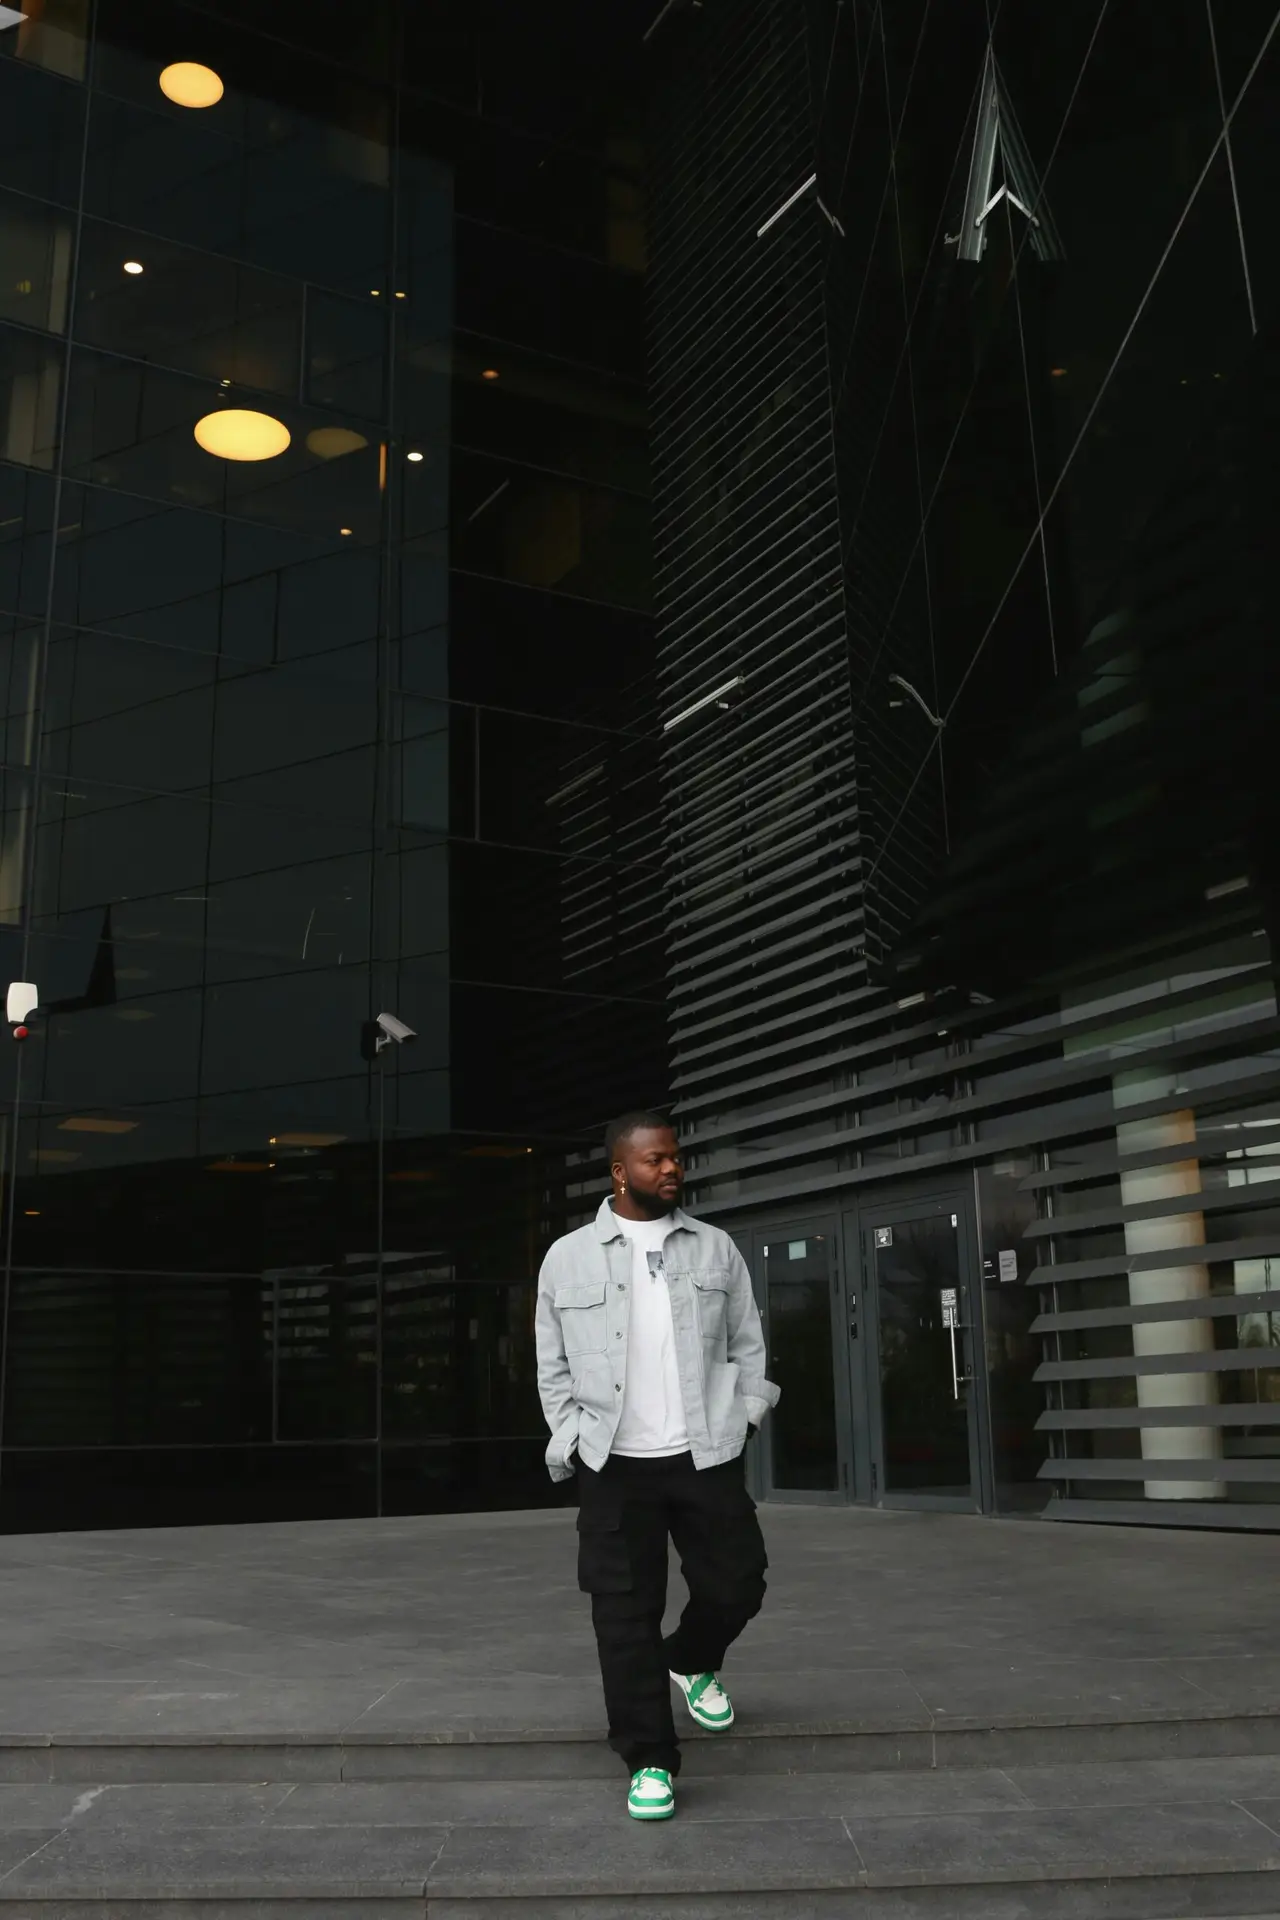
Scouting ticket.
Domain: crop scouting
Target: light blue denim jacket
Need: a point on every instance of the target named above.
(582, 1320)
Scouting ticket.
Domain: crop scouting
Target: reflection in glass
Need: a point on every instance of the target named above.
(35, 248)
(52, 34)
(923, 1411)
(129, 1359)
(802, 1428)
(29, 369)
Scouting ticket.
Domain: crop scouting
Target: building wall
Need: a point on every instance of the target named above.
(283, 741)
(1053, 423)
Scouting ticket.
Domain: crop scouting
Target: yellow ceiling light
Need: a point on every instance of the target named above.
(95, 1123)
(133, 266)
(330, 443)
(188, 84)
(238, 433)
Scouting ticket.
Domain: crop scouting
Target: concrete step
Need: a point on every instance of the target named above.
(1150, 1840)
(94, 1734)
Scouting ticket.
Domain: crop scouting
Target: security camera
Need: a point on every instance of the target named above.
(20, 1003)
(380, 1033)
(393, 1029)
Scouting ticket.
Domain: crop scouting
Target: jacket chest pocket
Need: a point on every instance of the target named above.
(582, 1317)
(711, 1291)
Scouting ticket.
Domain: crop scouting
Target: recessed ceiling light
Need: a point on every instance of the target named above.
(415, 456)
(224, 383)
(188, 84)
(345, 532)
(490, 373)
(133, 266)
(375, 293)
(238, 433)
(95, 1123)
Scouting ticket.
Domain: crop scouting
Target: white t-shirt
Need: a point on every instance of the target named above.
(652, 1421)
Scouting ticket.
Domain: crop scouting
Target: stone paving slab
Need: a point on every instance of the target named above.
(574, 1839)
(1252, 1783)
(945, 1600)
(353, 1862)
(465, 1706)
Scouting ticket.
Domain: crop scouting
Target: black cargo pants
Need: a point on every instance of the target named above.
(626, 1514)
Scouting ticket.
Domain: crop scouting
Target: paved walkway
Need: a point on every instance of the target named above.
(939, 1719)
(473, 1623)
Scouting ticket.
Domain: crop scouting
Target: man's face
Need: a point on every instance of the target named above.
(649, 1161)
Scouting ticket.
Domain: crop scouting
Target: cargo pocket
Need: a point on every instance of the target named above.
(604, 1563)
(741, 1562)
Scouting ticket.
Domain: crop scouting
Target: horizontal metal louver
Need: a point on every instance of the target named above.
(765, 924)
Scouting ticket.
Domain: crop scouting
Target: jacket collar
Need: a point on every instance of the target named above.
(607, 1227)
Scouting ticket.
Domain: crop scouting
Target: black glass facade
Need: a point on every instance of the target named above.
(363, 725)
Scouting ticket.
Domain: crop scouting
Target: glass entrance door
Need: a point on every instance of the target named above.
(804, 1452)
(922, 1296)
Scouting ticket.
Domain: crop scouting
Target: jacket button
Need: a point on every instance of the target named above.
(617, 1386)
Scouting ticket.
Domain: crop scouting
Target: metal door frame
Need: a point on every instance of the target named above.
(958, 1197)
(751, 1238)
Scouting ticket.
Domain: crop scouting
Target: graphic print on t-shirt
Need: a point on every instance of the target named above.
(652, 1418)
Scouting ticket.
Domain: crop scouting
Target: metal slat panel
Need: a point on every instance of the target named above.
(1263, 1246)
(766, 868)
(1222, 1307)
(1256, 1194)
(1089, 1419)
(1161, 1469)
(1164, 1513)
(1228, 1360)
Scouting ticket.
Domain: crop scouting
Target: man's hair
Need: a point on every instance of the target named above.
(628, 1123)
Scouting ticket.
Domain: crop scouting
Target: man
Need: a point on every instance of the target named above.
(651, 1370)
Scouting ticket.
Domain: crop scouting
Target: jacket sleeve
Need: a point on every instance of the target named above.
(559, 1408)
(746, 1344)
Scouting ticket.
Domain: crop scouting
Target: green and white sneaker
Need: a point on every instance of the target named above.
(652, 1796)
(708, 1702)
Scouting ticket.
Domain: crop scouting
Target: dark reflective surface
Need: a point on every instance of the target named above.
(924, 1402)
(282, 740)
(802, 1428)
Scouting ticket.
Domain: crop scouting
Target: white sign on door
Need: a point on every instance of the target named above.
(1008, 1264)
(950, 1312)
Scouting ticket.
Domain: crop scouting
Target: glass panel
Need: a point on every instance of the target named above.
(132, 1359)
(802, 1428)
(29, 373)
(326, 1355)
(36, 244)
(923, 1409)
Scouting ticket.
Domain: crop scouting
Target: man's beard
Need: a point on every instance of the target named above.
(658, 1204)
